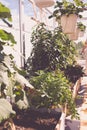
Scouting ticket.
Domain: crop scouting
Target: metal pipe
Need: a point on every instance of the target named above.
(22, 34)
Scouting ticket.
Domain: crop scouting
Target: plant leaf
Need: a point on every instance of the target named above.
(23, 104)
(5, 110)
(5, 12)
(20, 79)
(7, 36)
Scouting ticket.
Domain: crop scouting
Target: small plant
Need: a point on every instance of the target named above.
(81, 26)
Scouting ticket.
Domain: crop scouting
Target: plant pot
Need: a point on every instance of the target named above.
(74, 36)
(44, 3)
(63, 22)
(68, 23)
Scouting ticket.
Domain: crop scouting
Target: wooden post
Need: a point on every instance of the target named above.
(76, 87)
(61, 123)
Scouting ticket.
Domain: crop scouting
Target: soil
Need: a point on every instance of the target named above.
(36, 120)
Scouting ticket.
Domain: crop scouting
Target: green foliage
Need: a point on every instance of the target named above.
(67, 8)
(74, 72)
(19, 93)
(7, 37)
(52, 89)
(23, 103)
(12, 83)
(79, 3)
(5, 12)
(51, 50)
(81, 26)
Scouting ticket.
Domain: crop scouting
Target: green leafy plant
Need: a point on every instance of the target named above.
(67, 8)
(52, 89)
(51, 50)
(74, 72)
(5, 12)
(12, 81)
(81, 26)
(7, 37)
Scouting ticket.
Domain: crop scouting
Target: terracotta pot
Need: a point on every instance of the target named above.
(63, 21)
(68, 23)
(74, 36)
(44, 3)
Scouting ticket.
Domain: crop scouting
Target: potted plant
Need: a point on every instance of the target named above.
(53, 92)
(68, 13)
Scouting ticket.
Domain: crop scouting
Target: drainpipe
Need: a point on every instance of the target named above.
(22, 34)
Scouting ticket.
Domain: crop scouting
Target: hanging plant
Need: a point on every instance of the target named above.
(66, 8)
(66, 13)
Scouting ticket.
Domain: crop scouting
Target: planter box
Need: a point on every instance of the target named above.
(68, 23)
